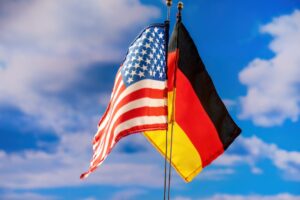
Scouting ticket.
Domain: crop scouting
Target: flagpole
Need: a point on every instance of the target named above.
(167, 28)
(180, 7)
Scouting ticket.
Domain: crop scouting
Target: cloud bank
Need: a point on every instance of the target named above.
(253, 150)
(283, 196)
(273, 85)
(45, 46)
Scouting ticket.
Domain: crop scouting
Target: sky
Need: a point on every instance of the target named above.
(58, 60)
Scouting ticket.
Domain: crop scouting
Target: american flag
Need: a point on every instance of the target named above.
(139, 98)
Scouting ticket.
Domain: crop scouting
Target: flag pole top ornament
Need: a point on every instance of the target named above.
(169, 3)
(180, 7)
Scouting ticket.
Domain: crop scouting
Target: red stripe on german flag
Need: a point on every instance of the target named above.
(201, 119)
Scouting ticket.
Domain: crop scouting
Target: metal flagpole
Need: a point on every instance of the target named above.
(167, 27)
(180, 7)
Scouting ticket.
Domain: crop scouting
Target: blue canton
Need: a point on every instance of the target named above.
(146, 57)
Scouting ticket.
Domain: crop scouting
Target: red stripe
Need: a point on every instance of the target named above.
(100, 134)
(109, 109)
(117, 82)
(134, 113)
(172, 62)
(193, 119)
(142, 128)
(137, 112)
(129, 131)
(142, 93)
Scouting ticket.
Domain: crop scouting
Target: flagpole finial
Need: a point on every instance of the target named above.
(169, 4)
(180, 7)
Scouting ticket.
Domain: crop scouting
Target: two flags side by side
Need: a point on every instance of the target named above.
(203, 128)
(138, 100)
(142, 97)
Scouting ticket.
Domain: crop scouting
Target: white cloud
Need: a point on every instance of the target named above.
(229, 103)
(46, 45)
(25, 196)
(284, 196)
(182, 198)
(30, 169)
(44, 48)
(256, 150)
(273, 85)
(216, 174)
(128, 194)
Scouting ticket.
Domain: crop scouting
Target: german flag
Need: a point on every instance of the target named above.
(203, 128)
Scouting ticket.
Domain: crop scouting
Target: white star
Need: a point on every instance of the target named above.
(158, 68)
(161, 35)
(133, 58)
(129, 80)
(154, 50)
(151, 39)
(155, 61)
(155, 29)
(136, 51)
(147, 45)
(144, 37)
(161, 62)
(141, 74)
(153, 34)
(133, 73)
(151, 55)
(140, 59)
(129, 65)
(144, 67)
(136, 65)
(126, 72)
(156, 45)
(160, 75)
(158, 56)
(148, 61)
(148, 30)
(144, 52)
(160, 51)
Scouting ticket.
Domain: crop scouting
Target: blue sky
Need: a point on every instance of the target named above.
(57, 65)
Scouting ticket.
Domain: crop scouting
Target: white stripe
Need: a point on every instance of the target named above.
(114, 94)
(143, 102)
(115, 89)
(153, 84)
(139, 121)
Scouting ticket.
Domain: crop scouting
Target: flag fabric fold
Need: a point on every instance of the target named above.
(138, 100)
(203, 128)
